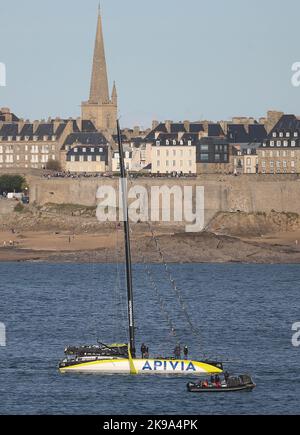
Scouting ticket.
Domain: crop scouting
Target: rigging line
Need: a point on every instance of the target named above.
(118, 291)
(172, 328)
(173, 283)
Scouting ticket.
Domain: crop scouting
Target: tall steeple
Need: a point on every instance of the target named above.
(99, 93)
(100, 109)
(114, 95)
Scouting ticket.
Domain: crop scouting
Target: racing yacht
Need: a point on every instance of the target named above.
(122, 358)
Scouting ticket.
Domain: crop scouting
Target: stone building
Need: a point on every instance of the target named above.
(31, 145)
(280, 152)
(101, 108)
(213, 156)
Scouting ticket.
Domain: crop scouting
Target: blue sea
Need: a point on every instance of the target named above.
(244, 314)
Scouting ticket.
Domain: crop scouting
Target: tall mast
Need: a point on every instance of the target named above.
(127, 244)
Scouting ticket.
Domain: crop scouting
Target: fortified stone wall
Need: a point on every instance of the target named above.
(249, 194)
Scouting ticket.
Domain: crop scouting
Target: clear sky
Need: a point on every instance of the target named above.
(171, 59)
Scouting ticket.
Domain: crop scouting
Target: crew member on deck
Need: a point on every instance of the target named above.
(177, 351)
(143, 350)
(186, 352)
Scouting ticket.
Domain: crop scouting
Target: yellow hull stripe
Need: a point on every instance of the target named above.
(208, 368)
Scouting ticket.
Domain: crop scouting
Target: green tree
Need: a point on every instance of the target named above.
(12, 183)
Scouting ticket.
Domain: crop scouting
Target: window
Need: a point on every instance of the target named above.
(75, 150)
(272, 164)
(272, 143)
(190, 163)
(204, 147)
(293, 143)
(174, 142)
(217, 157)
(174, 153)
(158, 163)
(281, 134)
(271, 153)
(263, 154)
(84, 150)
(158, 153)
(81, 159)
(167, 142)
(248, 162)
(284, 164)
(181, 163)
(274, 134)
(92, 150)
(263, 163)
(296, 134)
(284, 153)
(285, 143)
(292, 153)
(174, 163)
(278, 164)
(278, 153)
(204, 157)
(89, 158)
(98, 159)
(167, 153)
(157, 143)
(292, 164)
(278, 143)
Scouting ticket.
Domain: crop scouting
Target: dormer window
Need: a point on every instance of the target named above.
(167, 142)
(9, 138)
(288, 134)
(285, 143)
(174, 142)
(278, 143)
(101, 150)
(18, 138)
(274, 134)
(281, 134)
(296, 134)
(75, 150)
(53, 138)
(84, 150)
(293, 143)
(35, 138)
(26, 138)
(272, 143)
(92, 150)
(45, 138)
(157, 143)
(189, 143)
(181, 142)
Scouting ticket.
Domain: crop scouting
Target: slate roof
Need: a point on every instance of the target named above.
(236, 133)
(287, 123)
(85, 139)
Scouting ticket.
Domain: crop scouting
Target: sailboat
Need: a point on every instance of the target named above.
(122, 358)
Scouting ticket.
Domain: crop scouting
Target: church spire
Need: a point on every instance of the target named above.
(114, 95)
(99, 84)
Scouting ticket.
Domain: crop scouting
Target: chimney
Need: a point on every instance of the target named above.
(21, 124)
(155, 124)
(168, 125)
(186, 125)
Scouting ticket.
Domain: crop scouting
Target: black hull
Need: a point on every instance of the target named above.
(195, 389)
